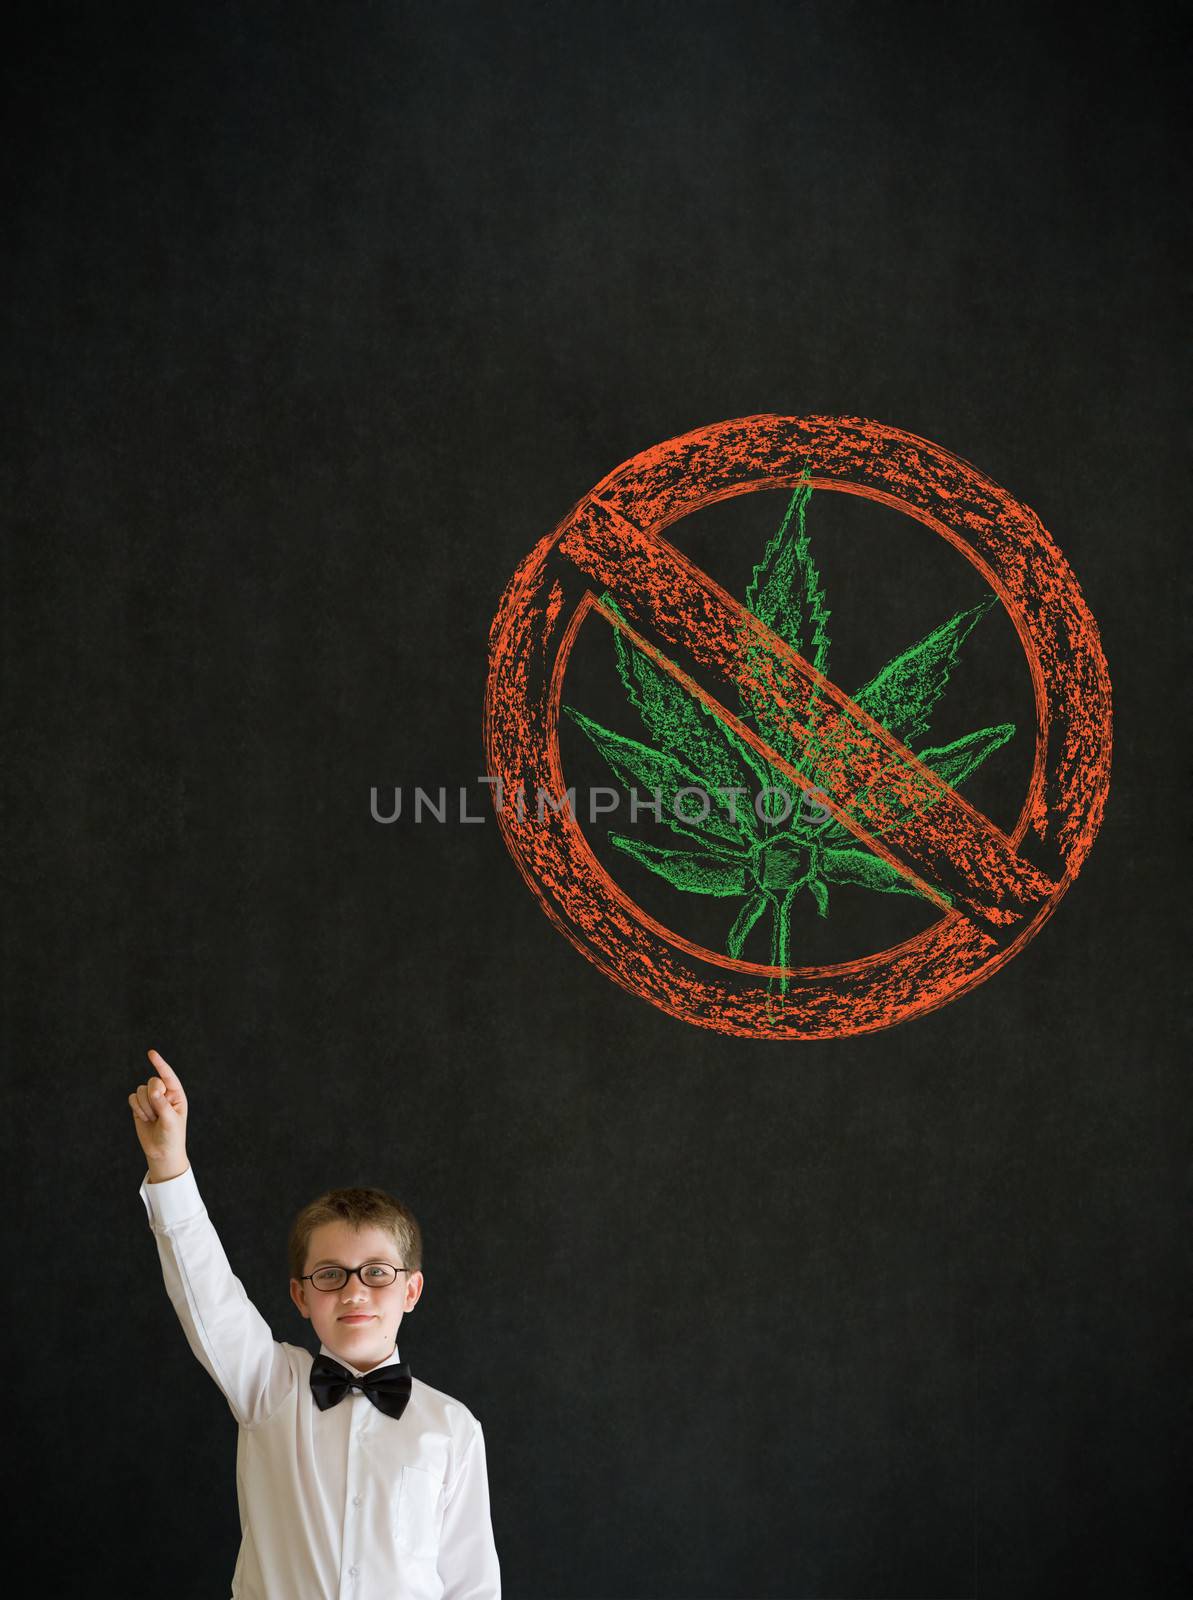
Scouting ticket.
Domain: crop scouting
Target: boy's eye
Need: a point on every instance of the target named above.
(376, 1272)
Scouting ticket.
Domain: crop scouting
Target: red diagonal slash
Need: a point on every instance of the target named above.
(870, 779)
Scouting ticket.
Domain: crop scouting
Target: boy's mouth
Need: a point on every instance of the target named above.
(357, 1316)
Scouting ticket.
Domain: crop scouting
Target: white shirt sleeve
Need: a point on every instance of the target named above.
(224, 1329)
(468, 1557)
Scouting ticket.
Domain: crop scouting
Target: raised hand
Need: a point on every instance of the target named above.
(159, 1115)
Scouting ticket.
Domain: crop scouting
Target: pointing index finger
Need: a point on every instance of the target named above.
(168, 1075)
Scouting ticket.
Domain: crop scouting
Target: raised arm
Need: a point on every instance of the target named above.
(224, 1329)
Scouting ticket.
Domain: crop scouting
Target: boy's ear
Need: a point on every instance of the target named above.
(298, 1295)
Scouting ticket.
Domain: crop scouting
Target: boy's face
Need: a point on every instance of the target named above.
(358, 1323)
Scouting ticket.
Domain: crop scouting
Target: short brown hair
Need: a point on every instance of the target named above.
(359, 1208)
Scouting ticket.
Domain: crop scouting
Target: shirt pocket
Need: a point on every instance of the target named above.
(417, 1519)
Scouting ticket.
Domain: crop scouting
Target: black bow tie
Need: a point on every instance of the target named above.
(387, 1387)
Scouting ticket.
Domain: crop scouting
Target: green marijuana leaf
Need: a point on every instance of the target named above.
(785, 594)
(724, 847)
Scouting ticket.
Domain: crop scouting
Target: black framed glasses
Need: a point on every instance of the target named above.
(373, 1274)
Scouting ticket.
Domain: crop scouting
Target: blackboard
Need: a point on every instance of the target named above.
(320, 317)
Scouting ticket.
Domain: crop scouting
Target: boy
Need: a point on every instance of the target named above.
(355, 1480)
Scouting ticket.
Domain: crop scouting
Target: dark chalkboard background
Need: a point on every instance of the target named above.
(319, 317)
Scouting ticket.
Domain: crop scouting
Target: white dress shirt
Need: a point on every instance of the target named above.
(343, 1504)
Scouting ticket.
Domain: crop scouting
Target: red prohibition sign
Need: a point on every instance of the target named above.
(1001, 888)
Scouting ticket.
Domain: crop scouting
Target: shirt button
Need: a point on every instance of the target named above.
(357, 1499)
(352, 1571)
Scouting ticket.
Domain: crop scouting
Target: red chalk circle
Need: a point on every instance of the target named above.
(1004, 886)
